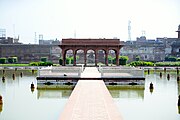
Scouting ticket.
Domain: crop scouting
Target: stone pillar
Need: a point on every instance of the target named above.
(85, 52)
(106, 58)
(64, 57)
(117, 57)
(96, 58)
(74, 55)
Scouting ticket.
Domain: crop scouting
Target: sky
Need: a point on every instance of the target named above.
(89, 18)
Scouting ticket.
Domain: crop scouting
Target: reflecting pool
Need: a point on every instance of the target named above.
(136, 103)
(22, 103)
(47, 102)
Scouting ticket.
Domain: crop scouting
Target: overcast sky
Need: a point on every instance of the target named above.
(89, 18)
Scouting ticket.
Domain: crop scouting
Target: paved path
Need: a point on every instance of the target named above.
(91, 72)
(90, 100)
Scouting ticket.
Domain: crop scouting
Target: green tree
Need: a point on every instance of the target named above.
(68, 60)
(12, 59)
(2, 60)
(178, 59)
(60, 61)
(170, 58)
(15, 59)
(137, 58)
(110, 59)
(71, 60)
(114, 60)
(44, 59)
(123, 60)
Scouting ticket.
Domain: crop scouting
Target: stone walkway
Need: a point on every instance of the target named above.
(91, 72)
(90, 100)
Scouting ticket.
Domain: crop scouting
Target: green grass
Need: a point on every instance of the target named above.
(13, 65)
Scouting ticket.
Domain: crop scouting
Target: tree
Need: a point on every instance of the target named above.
(178, 59)
(71, 60)
(60, 61)
(114, 60)
(170, 58)
(68, 60)
(137, 58)
(12, 59)
(44, 59)
(2, 60)
(110, 59)
(123, 60)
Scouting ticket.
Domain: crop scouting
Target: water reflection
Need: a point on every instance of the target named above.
(47, 102)
(54, 91)
(159, 104)
(19, 103)
(178, 87)
(151, 90)
(1, 103)
(127, 91)
(1, 108)
(178, 84)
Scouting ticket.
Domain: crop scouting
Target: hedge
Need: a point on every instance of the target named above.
(41, 64)
(167, 64)
(141, 63)
(170, 58)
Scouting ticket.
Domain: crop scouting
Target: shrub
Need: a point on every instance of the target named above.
(34, 64)
(137, 58)
(44, 59)
(173, 59)
(15, 59)
(12, 60)
(168, 64)
(2, 60)
(110, 59)
(47, 63)
(141, 63)
(68, 60)
(60, 61)
(72, 60)
(40, 63)
(178, 59)
(123, 60)
(114, 60)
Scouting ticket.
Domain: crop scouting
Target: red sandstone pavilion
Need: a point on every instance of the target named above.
(90, 44)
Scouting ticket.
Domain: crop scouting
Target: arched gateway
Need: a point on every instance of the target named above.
(90, 44)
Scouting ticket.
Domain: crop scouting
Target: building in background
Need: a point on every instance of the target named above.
(26, 53)
(146, 49)
(176, 45)
(152, 50)
(49, 42)
(9, 40)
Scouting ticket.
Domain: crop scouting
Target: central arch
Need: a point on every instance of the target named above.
(80, 56)
(90, 56)
(95, 45)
